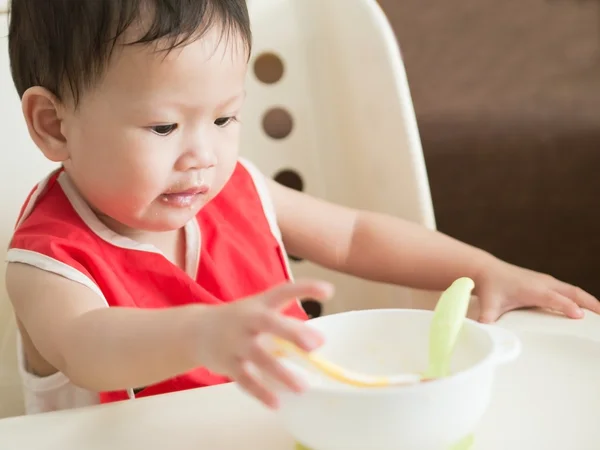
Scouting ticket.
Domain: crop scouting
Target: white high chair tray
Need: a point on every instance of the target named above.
(547, 400)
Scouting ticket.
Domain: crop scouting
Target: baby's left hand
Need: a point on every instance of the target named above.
(502, 287)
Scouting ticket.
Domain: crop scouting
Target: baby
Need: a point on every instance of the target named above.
(154, 258)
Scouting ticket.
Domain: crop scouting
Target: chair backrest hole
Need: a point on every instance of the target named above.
(290, 178)
(278, 123)
(312, 308)
(268, 68)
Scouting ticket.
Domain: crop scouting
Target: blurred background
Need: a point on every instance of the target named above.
(507, 98)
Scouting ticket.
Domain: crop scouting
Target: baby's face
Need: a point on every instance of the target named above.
(158, 137)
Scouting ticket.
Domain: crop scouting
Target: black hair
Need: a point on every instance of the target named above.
(66, 44)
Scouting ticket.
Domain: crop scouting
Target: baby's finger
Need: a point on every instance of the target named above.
(250, 384)
(489, 312)
(288, 329)
(579, 296)
(282, 294)
(558, 302)
(274, 369)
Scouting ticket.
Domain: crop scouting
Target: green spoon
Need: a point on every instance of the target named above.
(448, 318)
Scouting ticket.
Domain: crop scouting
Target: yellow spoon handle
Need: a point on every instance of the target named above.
(330, 369)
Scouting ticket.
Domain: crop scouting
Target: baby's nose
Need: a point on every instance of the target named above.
(197, 159)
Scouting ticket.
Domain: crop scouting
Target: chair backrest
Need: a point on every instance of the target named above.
(329, 111)
(21, 166)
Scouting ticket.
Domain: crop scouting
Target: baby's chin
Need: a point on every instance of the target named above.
(162, 223)
(150, 222)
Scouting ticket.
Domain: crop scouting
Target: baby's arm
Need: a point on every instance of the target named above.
(371, 245)
(391, 250)
(101, 348)
(106, 349)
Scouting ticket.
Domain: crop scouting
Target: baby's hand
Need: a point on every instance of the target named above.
(230, 341)
(502, 287)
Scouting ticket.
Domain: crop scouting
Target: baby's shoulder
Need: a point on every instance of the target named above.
(49, 216)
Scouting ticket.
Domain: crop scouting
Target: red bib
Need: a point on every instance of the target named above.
(233, 251)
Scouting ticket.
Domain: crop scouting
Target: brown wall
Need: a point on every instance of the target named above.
(507, 95)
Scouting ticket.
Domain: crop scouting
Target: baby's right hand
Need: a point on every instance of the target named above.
(230, 341)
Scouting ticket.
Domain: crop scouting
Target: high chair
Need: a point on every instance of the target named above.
(329, 112)
(21, 166)
(333, 116)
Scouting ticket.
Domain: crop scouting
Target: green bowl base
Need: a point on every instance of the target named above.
(465, 444)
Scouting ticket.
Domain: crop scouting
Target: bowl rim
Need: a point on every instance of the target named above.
(341, 388)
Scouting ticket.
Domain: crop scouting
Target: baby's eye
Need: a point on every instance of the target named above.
(224, 121)
(164, 130)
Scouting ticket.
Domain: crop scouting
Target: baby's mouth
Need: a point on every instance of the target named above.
(184, 198)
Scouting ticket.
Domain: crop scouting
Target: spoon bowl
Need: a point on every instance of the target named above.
(448, 318)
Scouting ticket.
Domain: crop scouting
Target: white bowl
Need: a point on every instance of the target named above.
(425, 416)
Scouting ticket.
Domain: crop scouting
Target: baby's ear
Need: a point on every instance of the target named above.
(42, 111)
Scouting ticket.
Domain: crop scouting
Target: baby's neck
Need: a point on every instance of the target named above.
(171, 243)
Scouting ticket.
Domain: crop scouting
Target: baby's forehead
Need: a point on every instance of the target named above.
(210, 52)
(206, 70)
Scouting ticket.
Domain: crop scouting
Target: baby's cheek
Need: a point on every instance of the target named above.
(225, 169)
(145, 174)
